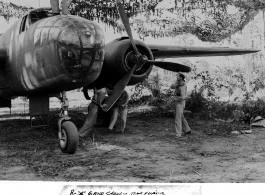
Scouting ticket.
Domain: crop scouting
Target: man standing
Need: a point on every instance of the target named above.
(181, 125)
(120, 107)
(99, 95)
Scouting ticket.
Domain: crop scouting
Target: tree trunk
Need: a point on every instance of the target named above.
(263, 42)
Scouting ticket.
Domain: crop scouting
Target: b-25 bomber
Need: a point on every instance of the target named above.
(48, 52)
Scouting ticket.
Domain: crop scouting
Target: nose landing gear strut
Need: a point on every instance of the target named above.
(68, 134)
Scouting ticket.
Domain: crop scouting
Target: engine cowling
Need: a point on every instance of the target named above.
(119, 59)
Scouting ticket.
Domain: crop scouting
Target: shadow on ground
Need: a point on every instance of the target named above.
(147, 152)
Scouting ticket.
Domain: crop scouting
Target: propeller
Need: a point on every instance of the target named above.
(122, 83)
(139, 60)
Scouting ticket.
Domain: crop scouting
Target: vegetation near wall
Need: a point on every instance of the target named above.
(203, 98)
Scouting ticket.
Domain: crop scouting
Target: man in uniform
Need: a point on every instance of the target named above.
(181, 125)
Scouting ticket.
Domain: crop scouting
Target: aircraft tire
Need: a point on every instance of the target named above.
(70, 138)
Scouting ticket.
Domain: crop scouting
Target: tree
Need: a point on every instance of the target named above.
(209, 20)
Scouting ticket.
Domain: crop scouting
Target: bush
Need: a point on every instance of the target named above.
(195, 102)
(203, 99)
(143, 100)
(251, 109)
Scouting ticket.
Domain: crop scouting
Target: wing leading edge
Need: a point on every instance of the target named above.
(165, 51)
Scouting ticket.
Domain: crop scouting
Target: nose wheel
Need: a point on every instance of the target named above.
(68, 137)
(68, 133)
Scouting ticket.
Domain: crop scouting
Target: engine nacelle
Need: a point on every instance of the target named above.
(119, 59)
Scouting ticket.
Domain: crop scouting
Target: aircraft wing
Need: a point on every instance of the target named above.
(166, 51)
(3, 56)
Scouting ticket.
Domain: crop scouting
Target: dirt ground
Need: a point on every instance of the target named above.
(147, 152)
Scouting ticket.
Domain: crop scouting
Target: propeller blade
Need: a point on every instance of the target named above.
(64, 7)
(122, 83)
(171, 66)
(166, 51)
(126, 24)
(118, 89)
(55, 6)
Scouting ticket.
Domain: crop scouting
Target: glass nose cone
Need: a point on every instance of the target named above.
(69, 37)
(91, 35)
(79, 45)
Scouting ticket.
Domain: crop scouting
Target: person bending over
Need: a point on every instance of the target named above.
(99, 95)
(120, 107)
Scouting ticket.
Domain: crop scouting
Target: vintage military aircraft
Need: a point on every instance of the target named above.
(45, 53)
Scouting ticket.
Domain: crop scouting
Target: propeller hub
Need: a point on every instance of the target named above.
(131, 59)
(141, 59)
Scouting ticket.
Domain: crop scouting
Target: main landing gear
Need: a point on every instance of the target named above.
(68, 134)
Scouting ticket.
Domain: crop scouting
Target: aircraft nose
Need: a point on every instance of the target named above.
(79, 45)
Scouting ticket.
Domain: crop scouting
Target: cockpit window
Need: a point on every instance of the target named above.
(34, 16)
(37, 15)
(24, 24)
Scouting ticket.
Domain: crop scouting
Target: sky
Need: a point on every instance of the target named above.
(44, 3)
(30, 3)
(109, 35)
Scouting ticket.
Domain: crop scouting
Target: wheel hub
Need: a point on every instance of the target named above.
(62, 138)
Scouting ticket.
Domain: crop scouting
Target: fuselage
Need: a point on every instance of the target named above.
(49, 54)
